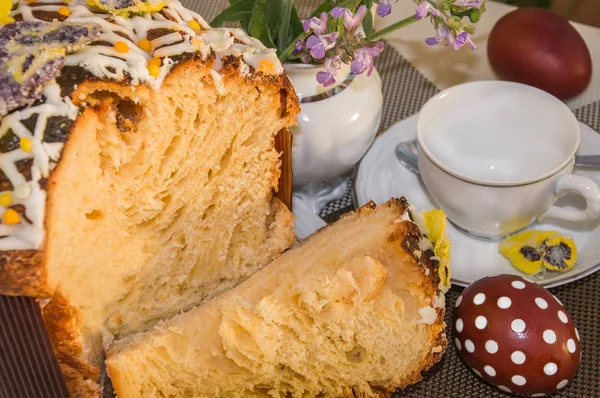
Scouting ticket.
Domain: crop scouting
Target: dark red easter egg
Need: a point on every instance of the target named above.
(516, 335)
(537, 47)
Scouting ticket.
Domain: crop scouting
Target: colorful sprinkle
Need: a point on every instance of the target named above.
(145, 45)
(64, 11)
(154, 70)
(11, 216)
(266, 67)
(155, 62)
(6, 199)
(194, 25)
(25, 144)
(121, 47)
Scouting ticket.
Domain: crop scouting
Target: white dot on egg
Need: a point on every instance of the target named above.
(518, 380)
(571, 346)
(480, 322)
(457, 342)
(540, 394)
(562, 384)
(459, 325)
(577, 334)
(557, 300)
(518, 357)
(563, 317)
(518, 285)
(458, 301)
(550, 368)
(540, 302)
(492, 347)
(518, 325)
(505, 389)
(504, 302)
(479, 299)
(549, 336)
(489, 370)
(469, 345)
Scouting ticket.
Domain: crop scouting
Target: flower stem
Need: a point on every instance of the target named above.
(393, 27)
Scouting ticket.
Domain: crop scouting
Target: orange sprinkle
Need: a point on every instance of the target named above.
(266, 67)
(25, 144)
(194, 25)
(67, 1)
(155, 62)
(121, 47)
(145, 45)
(154, 70)
(5, 199)
(11, 216)
(64, 11)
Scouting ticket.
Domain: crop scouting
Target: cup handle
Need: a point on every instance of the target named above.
(583, 186)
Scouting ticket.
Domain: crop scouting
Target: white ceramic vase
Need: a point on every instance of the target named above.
(336, 126)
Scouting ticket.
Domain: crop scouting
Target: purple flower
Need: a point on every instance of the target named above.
(321, 43)
(332, 65)
(442, 32)
(384, 8)
(460, 41)
(299, 46)
(351, 21)
(424, 8)
(363, 58)
(468, 3)
(318, 25)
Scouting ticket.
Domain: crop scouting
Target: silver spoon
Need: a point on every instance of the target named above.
(406, 152)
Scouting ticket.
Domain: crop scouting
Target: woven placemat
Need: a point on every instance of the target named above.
(405, 91)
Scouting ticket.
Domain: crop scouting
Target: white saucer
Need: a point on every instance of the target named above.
(381, 176)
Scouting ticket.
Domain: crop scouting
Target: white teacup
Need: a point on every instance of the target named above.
(496, 155)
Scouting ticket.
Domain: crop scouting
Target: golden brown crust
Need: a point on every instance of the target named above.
(22, 273)
(62, 325)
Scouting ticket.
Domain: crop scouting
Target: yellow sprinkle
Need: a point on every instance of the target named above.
(64, 11)
(145, 45)
(266, 67)
(67, 1)
(121, 47)
(91, 3)
(154, 70)
(11, 216)
(155, 62)
(194, 25)
(25, 144)
(5, 199)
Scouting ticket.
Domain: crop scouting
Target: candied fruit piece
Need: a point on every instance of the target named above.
(533, 252)
(32, 54)
(126, 7)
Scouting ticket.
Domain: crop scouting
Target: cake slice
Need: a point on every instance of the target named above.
(355, 311)
(140, 177)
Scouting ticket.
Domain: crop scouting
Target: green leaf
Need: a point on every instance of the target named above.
(264, 21)
(285, 16)
(368, 24)
(239, 11)
(295, 25)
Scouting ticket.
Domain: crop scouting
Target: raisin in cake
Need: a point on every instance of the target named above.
(138, 166)
(357, 310)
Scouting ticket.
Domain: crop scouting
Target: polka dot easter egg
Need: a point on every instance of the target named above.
(516, 335)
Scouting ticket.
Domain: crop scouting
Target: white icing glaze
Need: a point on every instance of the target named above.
(104, 61)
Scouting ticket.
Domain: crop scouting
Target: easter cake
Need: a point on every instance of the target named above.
(325, 319)
(138, 166)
